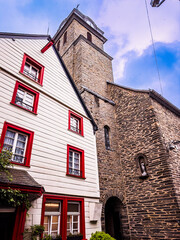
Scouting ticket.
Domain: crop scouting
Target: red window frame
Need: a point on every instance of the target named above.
(27, 89)
(81, 132)
(28, 149)
(34, 63)
(82, 168)
(64, 204)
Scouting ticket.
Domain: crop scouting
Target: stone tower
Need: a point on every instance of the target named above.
(138, 172)
(80, 43)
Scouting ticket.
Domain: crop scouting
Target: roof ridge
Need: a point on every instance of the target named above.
(24, 35)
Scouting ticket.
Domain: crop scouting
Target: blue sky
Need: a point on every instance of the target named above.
(126, 27)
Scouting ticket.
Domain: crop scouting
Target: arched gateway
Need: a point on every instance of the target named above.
(113, 213)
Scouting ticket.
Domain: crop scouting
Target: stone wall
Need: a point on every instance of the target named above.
(169, 125)
(110, 169)
(151, 202)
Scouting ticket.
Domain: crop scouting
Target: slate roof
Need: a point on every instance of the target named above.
(19, 177)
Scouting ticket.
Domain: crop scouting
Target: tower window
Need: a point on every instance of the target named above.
(58, 45)
(65, 38)
(89, 37)
(106, 135)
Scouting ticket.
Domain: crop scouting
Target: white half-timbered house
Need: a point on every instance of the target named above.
(46, 125)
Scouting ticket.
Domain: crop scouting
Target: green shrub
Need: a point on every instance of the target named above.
(101, 236)
(37, 230)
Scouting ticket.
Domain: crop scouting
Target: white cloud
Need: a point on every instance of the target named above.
(127, 25)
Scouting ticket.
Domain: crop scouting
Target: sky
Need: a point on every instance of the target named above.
(125, 25)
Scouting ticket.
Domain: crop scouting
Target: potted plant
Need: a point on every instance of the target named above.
(75, 236)
(49, 237)
(37, 230)
(58, 237)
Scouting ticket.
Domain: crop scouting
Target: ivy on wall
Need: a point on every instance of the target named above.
(11, 197)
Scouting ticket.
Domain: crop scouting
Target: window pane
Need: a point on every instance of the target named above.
(26, 67)
(19, 159)
(20, 144)
(34, 72)
(9, 140)
(21, 137)
(29, 99)
(73, 207)
(10, 134)
(55, 227)
(20, 93)
(52, 207)
(45, 219)
(55, 219)
(75, 226)
(19, 151)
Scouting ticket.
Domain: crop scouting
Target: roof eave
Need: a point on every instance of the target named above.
(24, 36)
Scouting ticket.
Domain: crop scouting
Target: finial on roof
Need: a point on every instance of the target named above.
(77, 6)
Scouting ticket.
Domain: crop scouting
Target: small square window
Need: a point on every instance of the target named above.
(18, 141)
(25, 97)
(75, 123)
(75, 162)
(32, 69)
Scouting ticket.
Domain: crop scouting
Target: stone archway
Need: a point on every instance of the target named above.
(113, 223)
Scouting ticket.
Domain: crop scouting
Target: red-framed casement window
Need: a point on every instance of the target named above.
(19, 141)
(32, 69)
(25, 97)
(63, 216)
(75, 162)
(75, 123)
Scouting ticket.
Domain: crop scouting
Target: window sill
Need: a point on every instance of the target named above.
(76, 132)
(31, 79)
(76, 176)
(23, 108)
(20, 164)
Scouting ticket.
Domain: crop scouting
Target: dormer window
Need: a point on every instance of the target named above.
(89, 37)
(65, 38)
(32, 69)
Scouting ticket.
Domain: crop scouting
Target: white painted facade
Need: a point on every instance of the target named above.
(48, 163)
